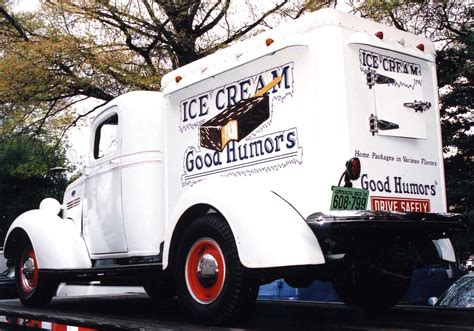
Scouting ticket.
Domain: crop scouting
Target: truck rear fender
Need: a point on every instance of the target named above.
(268, 231)
(56, 241)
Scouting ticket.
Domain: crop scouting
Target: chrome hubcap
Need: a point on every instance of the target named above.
(28, 269)
(207, 270)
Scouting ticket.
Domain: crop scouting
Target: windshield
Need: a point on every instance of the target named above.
(460, 294)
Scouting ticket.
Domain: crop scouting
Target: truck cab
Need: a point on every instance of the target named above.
(118, 201)
(312, 151)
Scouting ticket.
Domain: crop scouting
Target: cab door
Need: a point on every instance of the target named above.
(103, 228)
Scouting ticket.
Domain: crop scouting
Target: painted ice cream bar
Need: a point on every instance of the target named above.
(237, 121)
(234, 123)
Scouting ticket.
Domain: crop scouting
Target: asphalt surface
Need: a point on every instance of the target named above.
(138, 311)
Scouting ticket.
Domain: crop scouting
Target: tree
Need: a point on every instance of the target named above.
(449, 25)
(70, 51)
(26, 177)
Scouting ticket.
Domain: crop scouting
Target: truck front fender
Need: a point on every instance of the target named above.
(56, 241)
(268, 231)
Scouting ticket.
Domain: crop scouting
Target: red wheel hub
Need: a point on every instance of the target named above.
(205, 270)
(28, 271)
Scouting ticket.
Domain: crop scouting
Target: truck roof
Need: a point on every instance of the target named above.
(132, 100)
(289, 34)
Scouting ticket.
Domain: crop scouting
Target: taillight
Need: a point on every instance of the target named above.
(352, 172)
(379, 34)
(269, 41)
(353, 168)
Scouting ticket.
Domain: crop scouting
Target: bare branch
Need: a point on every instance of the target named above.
(396, 22)
(77, 119)
(11, 19)
(203, 29)
(244, 30)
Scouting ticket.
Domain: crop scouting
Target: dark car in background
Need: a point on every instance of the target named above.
(7, 280)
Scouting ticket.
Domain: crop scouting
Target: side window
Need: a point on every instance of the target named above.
(106, 137)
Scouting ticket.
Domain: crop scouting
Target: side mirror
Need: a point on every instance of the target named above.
(50, 205)
(432, 301)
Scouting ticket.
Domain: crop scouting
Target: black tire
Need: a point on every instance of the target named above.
(160, 290)
(228, 288)
(301, 280)
(33, 287)
(374, 282)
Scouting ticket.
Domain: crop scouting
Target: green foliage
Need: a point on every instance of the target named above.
(25, 176)
(455, 69)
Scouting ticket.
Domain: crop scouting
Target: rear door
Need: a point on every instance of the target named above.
(394, 127)
(395, 82)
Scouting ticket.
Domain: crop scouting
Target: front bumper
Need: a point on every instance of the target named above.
(339, 230)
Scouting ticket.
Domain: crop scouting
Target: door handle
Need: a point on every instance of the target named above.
(418, 105)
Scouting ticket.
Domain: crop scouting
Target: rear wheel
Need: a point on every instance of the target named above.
(33, 288)
(374, 281)
(212, 285)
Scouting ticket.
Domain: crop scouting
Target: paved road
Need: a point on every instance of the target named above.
(137, 311)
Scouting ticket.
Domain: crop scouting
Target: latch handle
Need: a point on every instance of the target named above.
(418, 105)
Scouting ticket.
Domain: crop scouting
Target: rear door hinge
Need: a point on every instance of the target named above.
(373, 78)
(375, 124)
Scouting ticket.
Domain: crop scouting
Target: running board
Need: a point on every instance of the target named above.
(115, 272)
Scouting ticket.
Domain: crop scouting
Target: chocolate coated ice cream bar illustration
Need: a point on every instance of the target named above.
(237, 121)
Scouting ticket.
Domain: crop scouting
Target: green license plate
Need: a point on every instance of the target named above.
(348, 198)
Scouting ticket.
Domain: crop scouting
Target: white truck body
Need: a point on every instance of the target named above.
(209, 143)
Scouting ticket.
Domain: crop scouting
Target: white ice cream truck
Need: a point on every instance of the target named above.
(311, 151)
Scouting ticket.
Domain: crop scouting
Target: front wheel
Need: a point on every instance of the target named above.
(33, 288)
(212, 284)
